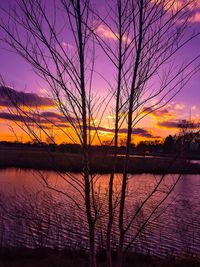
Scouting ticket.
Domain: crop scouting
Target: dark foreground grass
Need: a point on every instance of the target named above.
(76, 258)
(100, 162)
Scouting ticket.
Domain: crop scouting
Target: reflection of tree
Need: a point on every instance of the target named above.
(184, 222)
(146, 37)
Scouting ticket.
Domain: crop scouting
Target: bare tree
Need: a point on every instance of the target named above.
(147, 36)
(68, 73)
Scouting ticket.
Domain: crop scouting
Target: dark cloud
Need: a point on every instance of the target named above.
(14, 117)
(10, 97)
(179, 124)
(58, 120)
(50, 118)
(53, 116)
(143, 133)
(169, 124)
(136, 131)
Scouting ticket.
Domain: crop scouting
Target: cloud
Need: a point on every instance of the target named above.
(43, 91)
(159, 113)
(181, 5)
(173, 5)
(67, 45)
(194, 107)
(105, 32)
(144, 133)
(137, 131)
(179, 106)
(195, 18)
(53, 115)
(14, 117)
(178, 124)
(47, 118)
(56, 117)
(10, 97)
(169, 124)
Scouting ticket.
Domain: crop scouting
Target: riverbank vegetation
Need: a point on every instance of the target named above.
(101, 162)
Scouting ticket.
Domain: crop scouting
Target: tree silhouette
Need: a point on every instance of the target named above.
(146, 37)
(169, 144)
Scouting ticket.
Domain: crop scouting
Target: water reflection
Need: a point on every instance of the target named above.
(35, 216)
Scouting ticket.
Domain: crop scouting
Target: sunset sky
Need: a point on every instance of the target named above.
(20, 76)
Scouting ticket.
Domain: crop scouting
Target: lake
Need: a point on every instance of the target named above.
(33, 215)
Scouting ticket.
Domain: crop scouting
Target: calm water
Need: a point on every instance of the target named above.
(35, 216)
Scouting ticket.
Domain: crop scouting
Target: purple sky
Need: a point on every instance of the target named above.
(20, 75)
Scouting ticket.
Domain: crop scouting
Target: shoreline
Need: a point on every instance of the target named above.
(100, 162)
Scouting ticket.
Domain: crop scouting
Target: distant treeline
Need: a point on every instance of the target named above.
(170, 145)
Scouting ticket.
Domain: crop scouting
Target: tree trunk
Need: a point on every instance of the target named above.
(86, 170)
(110, 199)
(128, 142)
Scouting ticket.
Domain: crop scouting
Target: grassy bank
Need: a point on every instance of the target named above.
(100, 162)
(73, 258)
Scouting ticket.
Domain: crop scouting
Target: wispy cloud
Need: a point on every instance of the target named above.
(174, 5)
(136, 131)
(179, 107)
(195, 18)
(105, 31)
(67, 45)
(178, 5)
